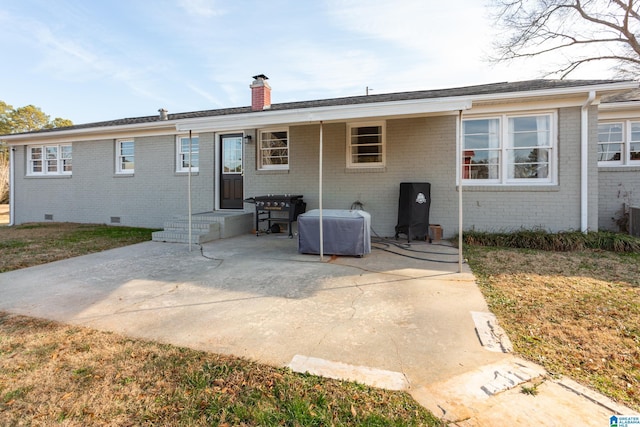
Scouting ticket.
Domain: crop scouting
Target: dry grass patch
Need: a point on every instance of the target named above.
(4, 215)
(575, 313)
(52, 373)
(39, 243)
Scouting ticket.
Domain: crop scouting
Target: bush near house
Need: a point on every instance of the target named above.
(561, 242)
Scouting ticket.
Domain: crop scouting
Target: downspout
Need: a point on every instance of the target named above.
(584, 162)
(12, 203)
(189, 192)
(321, 229)
(459, 166)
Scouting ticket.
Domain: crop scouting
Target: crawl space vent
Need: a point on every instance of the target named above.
(48, 217)
(115, 220)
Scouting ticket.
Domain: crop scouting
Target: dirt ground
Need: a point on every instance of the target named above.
(4, 214)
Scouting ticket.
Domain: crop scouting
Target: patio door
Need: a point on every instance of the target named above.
(231, 176)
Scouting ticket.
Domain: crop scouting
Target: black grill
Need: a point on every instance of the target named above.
(277, 208)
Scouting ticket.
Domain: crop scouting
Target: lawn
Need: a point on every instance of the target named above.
(577, 313)
(38, 243)
(52, 373)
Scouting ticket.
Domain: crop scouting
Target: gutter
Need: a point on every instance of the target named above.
(12, 203)
(325, 114)
(100, 132)
(566, 91)
(584, 162)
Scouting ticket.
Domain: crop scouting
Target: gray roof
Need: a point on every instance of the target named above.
(627, 96)
(486, 89)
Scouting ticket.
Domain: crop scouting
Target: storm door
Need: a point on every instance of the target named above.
(231, 184)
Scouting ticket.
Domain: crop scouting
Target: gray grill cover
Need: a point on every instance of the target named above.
(345, 232)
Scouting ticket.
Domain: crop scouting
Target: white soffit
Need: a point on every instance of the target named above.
(325, 114)
(619, 109)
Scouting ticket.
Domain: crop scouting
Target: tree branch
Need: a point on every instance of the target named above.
(539, 27)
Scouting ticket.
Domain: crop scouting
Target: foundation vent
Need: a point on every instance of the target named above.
(48, 217)
(115, 220)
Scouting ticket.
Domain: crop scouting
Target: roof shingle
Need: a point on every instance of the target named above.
(486, 89)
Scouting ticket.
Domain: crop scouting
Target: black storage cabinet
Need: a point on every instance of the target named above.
(413, 210)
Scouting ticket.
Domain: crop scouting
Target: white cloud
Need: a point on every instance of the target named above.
(201, 8)
(215, 101)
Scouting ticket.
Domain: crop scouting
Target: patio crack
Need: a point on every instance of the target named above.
(398, 354)
(354, 310)
(355, 299)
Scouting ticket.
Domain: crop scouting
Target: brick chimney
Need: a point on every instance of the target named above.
(260, 93)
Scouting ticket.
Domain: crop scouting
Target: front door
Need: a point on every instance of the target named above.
(231, 195)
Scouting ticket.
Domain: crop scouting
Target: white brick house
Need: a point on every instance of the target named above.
(526, 153)
(618, 157)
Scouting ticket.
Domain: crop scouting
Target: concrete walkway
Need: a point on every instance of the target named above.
(385, 319)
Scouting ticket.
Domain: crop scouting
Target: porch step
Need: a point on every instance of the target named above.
(205, 227)
(178, 232)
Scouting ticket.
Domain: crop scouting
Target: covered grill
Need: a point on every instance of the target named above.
(277, 208)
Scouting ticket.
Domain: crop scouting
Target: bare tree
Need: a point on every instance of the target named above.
(578, 31)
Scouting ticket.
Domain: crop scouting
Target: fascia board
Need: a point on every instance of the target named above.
(325, 114)
(624, 112)
(93, 134)
(628, 105)
(483, 108)
(599, 89)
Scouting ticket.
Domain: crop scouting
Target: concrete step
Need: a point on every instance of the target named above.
(184, 225)
(182, 236)
(205, 227)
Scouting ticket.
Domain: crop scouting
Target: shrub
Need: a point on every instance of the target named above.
(561, 242)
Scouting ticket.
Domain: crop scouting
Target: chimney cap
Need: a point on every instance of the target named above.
(260, 76)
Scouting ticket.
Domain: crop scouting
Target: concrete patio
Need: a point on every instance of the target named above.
(385, 319)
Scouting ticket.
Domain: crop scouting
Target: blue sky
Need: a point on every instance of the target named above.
(98, 60)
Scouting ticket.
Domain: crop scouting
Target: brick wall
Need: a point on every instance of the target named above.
(617, 186)
(418, 150)
(424, 150)
(95, 193)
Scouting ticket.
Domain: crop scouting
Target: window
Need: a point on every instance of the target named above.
(508, 149)
(125, 156)
(619, 143)
(365, 145)
(50, 159)
(273, 149)
(182, 161)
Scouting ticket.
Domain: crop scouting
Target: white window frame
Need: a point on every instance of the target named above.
(182, 156)
(505, 147)
(59, 160)
(383, 145)
(120, 156)
(261, 151)
(625, 143)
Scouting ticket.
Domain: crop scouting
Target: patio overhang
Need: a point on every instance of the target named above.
(327, 114)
